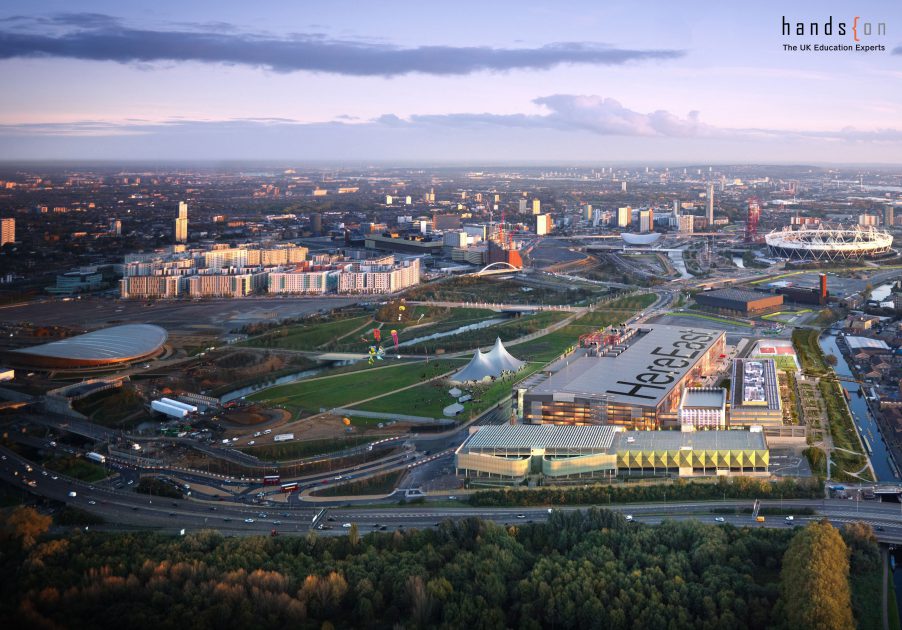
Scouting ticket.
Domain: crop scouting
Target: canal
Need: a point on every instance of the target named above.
(867, 425)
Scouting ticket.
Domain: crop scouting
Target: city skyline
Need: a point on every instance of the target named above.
(440, 84)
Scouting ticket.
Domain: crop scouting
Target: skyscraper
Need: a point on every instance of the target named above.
(624, 216)
(646, 220)
(588, 209)
(316, 223)
(709, 214)
(181, 224)
(536, 206)
(7, 231)
(888, 216)
(115, 227)
(522, 206)
(543, 224)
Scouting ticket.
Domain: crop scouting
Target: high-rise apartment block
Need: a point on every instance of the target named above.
(7, 231)
(181, 224)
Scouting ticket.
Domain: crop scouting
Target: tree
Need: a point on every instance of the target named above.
(814, 581)
(354, 535)
(26, 525)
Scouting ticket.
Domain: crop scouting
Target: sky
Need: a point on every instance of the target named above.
(448, 82)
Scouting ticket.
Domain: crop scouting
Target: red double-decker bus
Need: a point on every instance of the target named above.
(290, 487)
(271, 480)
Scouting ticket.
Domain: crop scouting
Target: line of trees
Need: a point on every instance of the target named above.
(679, 490)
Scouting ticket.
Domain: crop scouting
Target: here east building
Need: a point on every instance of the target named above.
(636, 384)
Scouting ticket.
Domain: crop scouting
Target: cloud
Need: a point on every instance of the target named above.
(594, 114)
(97, 37)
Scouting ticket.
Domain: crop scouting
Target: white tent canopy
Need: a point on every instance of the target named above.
(500, 357)
(488, 364)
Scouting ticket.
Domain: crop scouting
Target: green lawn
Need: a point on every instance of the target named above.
(712, 318)
(340, 390)
(808, 351)
(378, 484)
(77, 467)
(308, 336)
(284, 451)
(783, 362)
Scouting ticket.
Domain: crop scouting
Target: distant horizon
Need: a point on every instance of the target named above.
(510, 82)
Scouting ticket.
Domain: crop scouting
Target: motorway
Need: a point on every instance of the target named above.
(127, 510)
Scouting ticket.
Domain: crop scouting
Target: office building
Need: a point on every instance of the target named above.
(316, 223)
(703, 408)
(755, 398)
(637, 382)
(867, 219)
(522, 206)
(115, 227)
(889, 216)
(687, 223)
(587, 210)
(624, 217)
(543, 224)
(536, 206)
(181, 224)
(646, 220)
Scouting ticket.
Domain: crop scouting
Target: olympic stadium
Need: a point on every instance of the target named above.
(829, 243)
(110, 347)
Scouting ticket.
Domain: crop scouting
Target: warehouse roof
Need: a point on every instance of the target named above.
(707, 397)
(644, 373)
(695, 440)
(736, 294)
(541, 436)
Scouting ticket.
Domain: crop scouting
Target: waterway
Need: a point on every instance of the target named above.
(867, 425)
(483, 324)
(882, 292)
(676, 259)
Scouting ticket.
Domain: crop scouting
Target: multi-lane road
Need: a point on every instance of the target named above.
(125, 509)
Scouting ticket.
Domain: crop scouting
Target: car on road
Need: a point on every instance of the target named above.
(790, 518)
(277, 522)
(92, 502)
(252, 442)
(54, 477)
(719, 519)
(261, 515)
(248, 520)
(346, 525)
(452, 498)
(227, 519)
(880, 528)
(629, 517)
(521, 516)
(72, 493)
